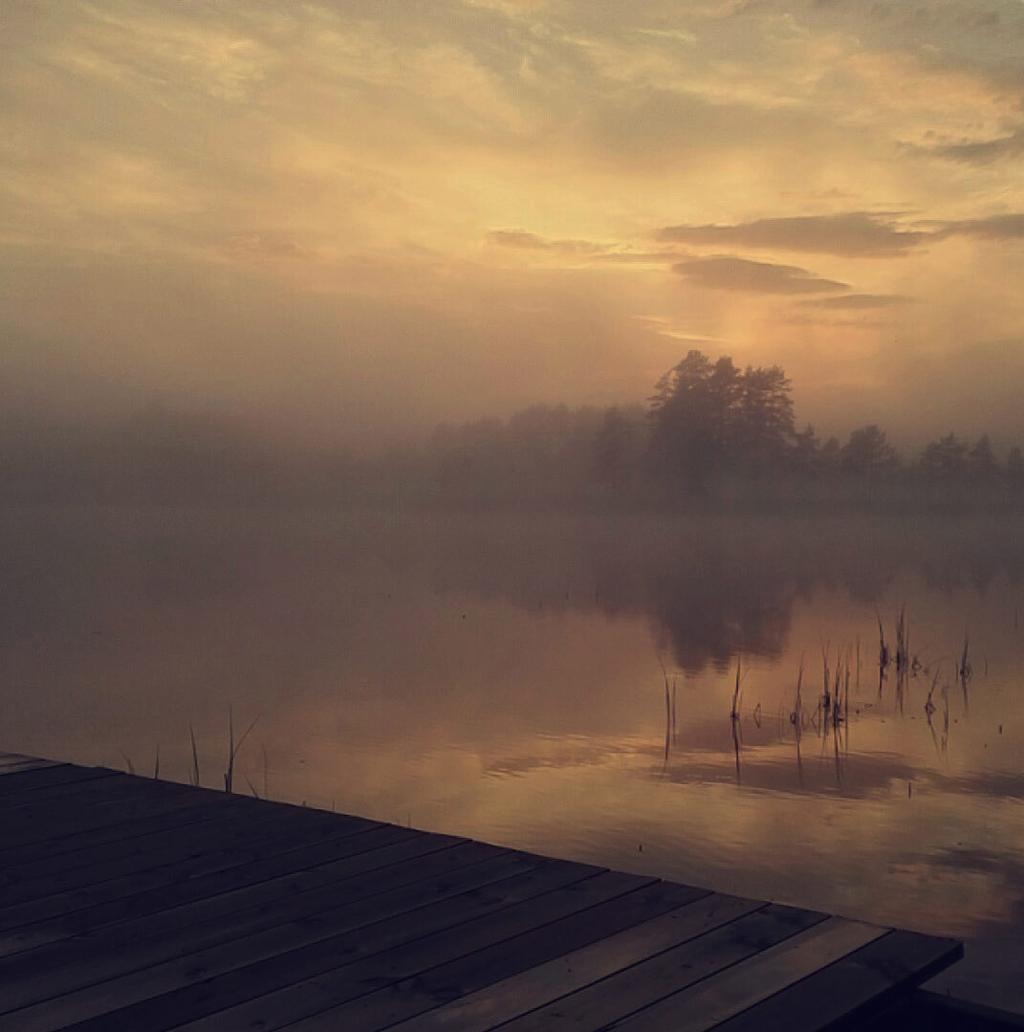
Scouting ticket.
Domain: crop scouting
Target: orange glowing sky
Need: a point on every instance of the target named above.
(362, 216)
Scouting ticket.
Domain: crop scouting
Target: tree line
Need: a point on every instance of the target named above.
(711, 434)
(709, 429)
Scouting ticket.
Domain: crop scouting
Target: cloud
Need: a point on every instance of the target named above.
(260, 246)
(858, 301)
(995, 227)
(983, 152)
(520, 240)
(850, 234)
(728, 273)
(642, 257)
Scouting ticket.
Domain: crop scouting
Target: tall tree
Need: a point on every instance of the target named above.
(945, 459)
(765, 426)
(981, 461)
(711, 418)
(867, 452)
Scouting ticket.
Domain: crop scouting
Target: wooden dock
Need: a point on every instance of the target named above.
(130, 904)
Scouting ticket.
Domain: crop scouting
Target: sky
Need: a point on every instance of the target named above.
(347, 221)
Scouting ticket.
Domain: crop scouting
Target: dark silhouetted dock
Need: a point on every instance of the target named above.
(131, 904)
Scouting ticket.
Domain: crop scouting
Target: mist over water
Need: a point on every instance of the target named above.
(561, 684)
(522, 419)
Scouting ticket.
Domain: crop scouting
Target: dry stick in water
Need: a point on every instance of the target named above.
(735, 713)
(965, 663)
(929, 706)
(796, 718)
(964, 672)
(194, 773)
(826, 698)
(229, 774)
(902, 639)
(673, 709)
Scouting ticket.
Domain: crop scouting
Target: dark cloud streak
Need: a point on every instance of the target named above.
(983, 152)
(849, 234)
(724, 272)
(859, 301)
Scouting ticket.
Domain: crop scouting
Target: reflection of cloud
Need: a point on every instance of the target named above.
(858, 301)
(857, 234)
(773, 767)
(728, 273)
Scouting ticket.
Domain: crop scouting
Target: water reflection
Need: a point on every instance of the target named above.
(562, 684)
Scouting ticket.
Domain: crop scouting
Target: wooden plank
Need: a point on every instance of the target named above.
(250, 907)
(92, 810)
(625, 993)
(393, 959)
(162, 829)
(728, 993)
(485, 966)
(124, 831)
(516, 995)
(47, 799)
(169, 840)
(365, 892)
(871, 976)
(280, 838)
(233, 834)
(152, 989)
(366, 950)
(124, 908)
(130, 903)
(51, 801)
(20, 781)
(8, 765)
(88, 818)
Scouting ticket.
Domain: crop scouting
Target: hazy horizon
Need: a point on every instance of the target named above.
(346, 222)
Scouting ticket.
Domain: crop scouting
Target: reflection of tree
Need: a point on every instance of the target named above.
(711, 589)
(712, 609)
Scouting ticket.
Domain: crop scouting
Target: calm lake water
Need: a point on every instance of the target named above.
(564, 685)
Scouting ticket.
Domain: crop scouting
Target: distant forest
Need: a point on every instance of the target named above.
(712, 435)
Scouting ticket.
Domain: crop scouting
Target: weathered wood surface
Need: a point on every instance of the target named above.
(129, 903)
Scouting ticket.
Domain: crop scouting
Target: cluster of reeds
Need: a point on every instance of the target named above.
(233, 750)
(929, 710)
(229, 773)
(835, 696)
